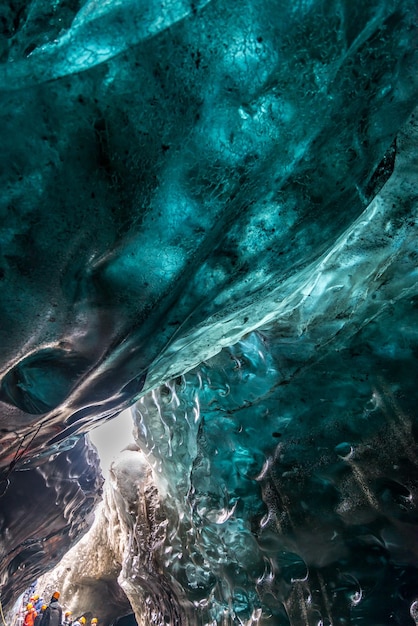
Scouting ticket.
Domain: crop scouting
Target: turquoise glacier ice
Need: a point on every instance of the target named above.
(209, 215)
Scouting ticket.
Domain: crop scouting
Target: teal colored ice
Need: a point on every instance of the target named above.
(208, 211)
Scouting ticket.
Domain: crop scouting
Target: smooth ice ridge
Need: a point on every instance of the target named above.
(99, 32)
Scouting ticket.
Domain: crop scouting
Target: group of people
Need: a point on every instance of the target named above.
(40, 614)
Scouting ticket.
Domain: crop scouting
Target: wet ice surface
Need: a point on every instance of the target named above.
(44, 509)
(288, 461)
(208, 173)
(176, 176)
(296, 500)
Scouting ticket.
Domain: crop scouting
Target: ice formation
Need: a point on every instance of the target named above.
(209, 214)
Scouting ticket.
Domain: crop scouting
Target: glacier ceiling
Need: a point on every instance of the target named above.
(184, 177)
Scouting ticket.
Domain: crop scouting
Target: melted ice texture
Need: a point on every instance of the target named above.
(180, 176)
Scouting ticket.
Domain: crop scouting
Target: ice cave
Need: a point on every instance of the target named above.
(209, 217)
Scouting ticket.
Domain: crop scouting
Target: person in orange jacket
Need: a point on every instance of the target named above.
(30, 615)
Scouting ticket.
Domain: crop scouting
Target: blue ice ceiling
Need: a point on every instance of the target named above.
(176, 177)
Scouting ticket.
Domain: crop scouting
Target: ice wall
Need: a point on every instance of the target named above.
(175, 176)
(166, 167)
(278, 480)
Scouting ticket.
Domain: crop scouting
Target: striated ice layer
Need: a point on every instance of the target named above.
(157, 199)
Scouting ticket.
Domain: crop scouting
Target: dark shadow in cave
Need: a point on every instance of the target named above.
(125, 620)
